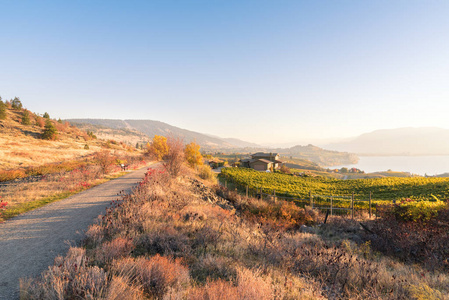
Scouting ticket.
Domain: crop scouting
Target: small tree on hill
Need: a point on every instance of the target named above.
(40, 122)
(50, 132)
(175, 156)
(16, 103)
(105, 160)
(2, 109)
(46, 115)
(193, 154)
(158, 147)
(26, 118)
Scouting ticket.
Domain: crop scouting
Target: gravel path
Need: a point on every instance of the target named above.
(30, 242)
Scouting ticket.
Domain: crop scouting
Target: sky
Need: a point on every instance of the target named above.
(262, 71)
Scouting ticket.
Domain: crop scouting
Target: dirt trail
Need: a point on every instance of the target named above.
(30, 242)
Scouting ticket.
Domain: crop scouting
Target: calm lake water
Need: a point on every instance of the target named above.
(430, 165)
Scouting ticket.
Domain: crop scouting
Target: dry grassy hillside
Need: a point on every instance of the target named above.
(21, 145)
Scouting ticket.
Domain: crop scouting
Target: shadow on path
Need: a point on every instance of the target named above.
(30, 242)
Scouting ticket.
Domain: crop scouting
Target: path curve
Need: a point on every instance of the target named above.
(30, 242)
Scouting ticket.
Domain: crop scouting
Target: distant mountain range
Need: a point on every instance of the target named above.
(151, 128)
(401, 141)
(141, 131)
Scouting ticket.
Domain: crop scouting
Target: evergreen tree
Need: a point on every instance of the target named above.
(26, 118)
(2, 110)
(46, 115)
(60, 121)
(16, 103)
(50, 132)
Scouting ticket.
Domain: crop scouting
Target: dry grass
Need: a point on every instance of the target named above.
(174, 238)
(29, 194)
(21, 146)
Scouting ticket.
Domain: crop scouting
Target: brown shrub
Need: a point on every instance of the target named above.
(156, 275)
(40, 122)
(175, 157)
(417, 242)
(215, 290)
(68, 278)
(121, 289)
(94, 235)
(249, 286)
(105, 160)
(211, 268)
(114, 249)
(169, 242)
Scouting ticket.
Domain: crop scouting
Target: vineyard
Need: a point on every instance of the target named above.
(382, 189)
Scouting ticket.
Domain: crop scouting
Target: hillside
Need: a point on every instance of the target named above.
(320, 156)
(151, 128)
(22, 146)
(125, 135)
(401, 141)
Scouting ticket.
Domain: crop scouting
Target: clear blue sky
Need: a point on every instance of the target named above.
(263, 71)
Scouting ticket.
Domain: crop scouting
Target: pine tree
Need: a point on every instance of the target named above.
(46, 115)
(50, 132)
(16, 103)
(26, 118)
(2, 110)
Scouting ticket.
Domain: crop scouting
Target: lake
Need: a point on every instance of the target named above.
(430, 165)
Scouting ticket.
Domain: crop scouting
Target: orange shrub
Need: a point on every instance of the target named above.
(11, 175)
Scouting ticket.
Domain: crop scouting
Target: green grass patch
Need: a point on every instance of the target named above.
(15, 210)
(18, 209)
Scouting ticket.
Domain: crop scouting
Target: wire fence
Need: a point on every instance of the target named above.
(333, 204)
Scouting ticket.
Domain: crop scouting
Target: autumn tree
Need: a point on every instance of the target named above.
(50, 132)
(158, 148)
(26, 118)
(105, 160)
(175, 156)
(2, 109)
(193, 155)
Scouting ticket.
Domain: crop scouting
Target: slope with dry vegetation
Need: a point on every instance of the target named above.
(42, 160)
(177, 237)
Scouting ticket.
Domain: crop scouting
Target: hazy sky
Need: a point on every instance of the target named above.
(263, 71)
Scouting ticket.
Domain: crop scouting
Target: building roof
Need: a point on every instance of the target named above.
(264, 154)
(263, 160)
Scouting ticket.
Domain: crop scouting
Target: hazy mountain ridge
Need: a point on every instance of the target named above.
(322, 157)
(150, 128)
(400, 141)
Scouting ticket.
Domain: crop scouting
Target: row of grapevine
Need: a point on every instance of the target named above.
(388, 188)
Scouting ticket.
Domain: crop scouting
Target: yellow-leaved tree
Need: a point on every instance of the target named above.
(158, 148)
(193, 155)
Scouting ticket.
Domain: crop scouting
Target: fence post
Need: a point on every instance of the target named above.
(332, 204)
(311, 198)
(246, 191)
(352, 205)
(370, 205)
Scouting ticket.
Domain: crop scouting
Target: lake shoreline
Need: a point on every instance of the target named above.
(430, 165)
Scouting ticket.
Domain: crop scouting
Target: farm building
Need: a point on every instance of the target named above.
(261, 161)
